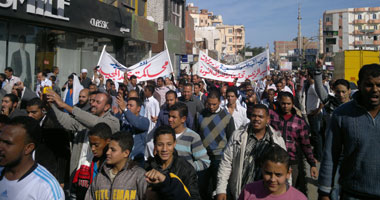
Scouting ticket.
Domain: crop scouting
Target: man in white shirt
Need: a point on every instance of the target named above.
(152, 107)
(20, 176)
(238, 112)
(152, 110)
(223, 92)
(55, 72)
(160, 91)
(10, 80)
(42, 81)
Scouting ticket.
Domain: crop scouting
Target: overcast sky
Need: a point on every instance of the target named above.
(266, 21)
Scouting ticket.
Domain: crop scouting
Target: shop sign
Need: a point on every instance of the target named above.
(99, 23)
(40, 7)
(124, 30)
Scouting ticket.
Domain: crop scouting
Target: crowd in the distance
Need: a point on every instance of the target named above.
(190, 138)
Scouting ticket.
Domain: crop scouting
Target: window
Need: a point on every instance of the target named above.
(195, 20)
(360, 28)
(3, 45)
(359, 16)
(374, 16)
(230, 48)
(375, 27)
(327, 19)
(360, 38)
(230, 39)
(176, 15)
(230, 30)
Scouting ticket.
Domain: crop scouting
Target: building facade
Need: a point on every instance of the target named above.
(231, 38)
(287, 51)
(351, 29)
(171, 19)
(37, 35)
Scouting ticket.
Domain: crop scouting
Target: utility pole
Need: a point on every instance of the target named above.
(321, 47)
(299, 39)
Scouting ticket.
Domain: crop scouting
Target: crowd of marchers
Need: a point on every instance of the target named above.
(189, 137)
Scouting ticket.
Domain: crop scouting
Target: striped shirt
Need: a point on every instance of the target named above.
(190, 147)
(37, 183)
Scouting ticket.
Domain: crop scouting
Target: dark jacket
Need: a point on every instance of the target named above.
(27, 96)
(353, 134)
(16, 65)
(194, 105)
(16, 113)
(181, 168)
(86, 82)
(85, 107)
(54, 151)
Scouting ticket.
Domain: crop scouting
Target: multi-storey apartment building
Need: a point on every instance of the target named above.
(351, 28)
(231, 37)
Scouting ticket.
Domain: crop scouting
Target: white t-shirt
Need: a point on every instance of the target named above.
(312, 100)
(37, 184)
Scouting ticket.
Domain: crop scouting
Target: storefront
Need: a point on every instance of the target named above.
(36, 35)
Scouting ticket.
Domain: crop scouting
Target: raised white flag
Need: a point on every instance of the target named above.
(151, 68)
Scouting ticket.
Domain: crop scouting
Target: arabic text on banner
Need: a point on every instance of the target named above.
(152, 68)
(253, 69)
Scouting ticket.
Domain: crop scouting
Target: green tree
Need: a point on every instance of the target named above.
(255, 51)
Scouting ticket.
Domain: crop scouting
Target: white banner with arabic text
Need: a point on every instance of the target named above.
(152, 68)
(253, 69)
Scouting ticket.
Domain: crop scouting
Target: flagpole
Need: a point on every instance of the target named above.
(101, 55)
(167, 51)
(171, 64)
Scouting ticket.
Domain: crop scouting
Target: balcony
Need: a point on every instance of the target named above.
(367, 43)
(358, 42)
(359, 21)
(374, 21)
(358, 32)
(360, 10)
(328, 23)
(374, 9)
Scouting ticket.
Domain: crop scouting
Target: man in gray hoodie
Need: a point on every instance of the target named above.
(119, 177)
